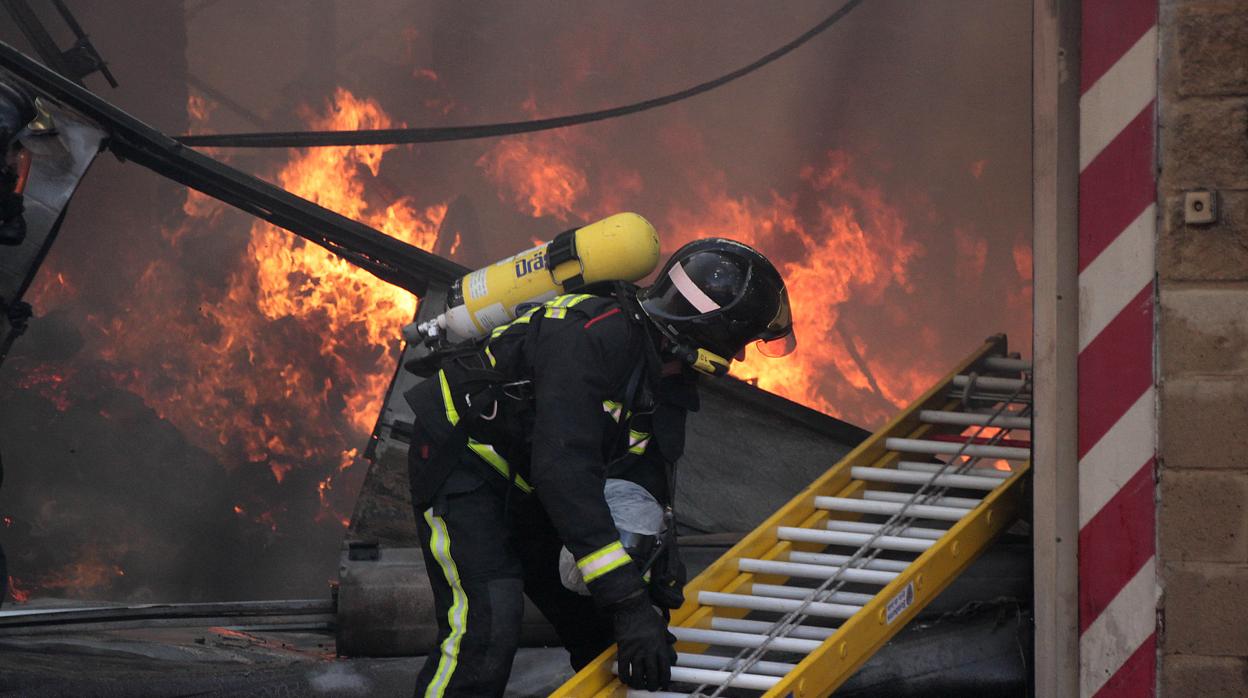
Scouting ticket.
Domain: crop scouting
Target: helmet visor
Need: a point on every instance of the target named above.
(775, 348)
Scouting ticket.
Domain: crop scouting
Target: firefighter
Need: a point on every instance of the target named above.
(516, 435)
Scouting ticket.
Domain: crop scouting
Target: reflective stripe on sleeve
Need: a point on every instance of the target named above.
(602, 561)
(452, 415)
(456, 616)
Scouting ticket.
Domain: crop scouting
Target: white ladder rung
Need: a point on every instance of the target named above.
(781, 591)
(809, 571)
(723, 638)
(966, 482)
(990, 383)
(822, 609)
(971, 419)
(862, 527)
(681, 674)
(810, 535)
(864, 506)
(902, 497)
(706, 661)
(1001, 363)
(990, 398)
(974, 471)
(827, 559)
(951, 448)
(740, 625)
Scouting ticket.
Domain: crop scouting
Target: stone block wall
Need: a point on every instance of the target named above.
(1203, 349)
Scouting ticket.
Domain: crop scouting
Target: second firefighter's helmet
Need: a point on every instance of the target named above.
(715, 296)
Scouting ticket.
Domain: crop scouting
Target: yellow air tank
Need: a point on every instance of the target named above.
(622, 247)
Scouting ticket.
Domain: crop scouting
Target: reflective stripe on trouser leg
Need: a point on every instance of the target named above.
(457, 616)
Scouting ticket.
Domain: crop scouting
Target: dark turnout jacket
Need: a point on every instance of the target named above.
(562, 427)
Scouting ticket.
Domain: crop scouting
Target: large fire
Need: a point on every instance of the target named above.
(851, 245)
(276, 363)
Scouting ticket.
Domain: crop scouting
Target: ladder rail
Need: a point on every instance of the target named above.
(835, 579)
(763, 543)
(835, 660)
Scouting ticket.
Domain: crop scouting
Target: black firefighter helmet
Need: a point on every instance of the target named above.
(715, 296)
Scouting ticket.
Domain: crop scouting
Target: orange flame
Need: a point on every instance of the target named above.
(289, 362)
(538, 173)
(19, 594)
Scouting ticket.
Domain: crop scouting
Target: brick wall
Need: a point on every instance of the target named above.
(1203, 349)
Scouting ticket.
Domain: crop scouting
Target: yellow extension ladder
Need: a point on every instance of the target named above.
(810, 594)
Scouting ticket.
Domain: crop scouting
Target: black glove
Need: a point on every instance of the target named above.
(668, 577)
(645, 654)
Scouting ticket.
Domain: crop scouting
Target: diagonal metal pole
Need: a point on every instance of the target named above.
(389, 259)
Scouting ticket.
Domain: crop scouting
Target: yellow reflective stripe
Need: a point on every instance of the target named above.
(602, 561)
(452, 415)
(612, 408)
(457, 615)
(490, 355)
(489, 455)
(528, 315)
(558, 308)
(637, 441)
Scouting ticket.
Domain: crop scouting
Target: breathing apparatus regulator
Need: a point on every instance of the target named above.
(641, 523)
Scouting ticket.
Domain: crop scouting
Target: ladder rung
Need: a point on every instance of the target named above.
(809, 571)
(781, 591)
(907, 532)
(903, 497)
(971, 419)
(1001, 363)
(946, 448)
(865, 506)
(740, 625)
(681, 674)
(980, 440)
(706, 661)
(966, 482)
(821, 609)
(810, 535)
(990, 383)
(723, 638)
(827, 559)
(973, 471)
(1020, 399)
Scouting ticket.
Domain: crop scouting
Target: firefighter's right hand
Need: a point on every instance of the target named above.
(645, 654)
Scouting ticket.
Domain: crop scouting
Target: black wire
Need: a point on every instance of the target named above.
(389, 136)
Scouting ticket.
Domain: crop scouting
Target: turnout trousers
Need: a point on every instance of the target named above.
(484, 551)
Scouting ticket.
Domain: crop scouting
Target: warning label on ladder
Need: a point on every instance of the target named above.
(900, 602)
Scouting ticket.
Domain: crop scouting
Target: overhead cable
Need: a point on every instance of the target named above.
(389, 136)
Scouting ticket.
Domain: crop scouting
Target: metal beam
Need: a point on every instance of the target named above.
(1055, 157)
(389, 259)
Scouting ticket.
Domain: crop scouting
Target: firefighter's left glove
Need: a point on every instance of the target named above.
(645, 653)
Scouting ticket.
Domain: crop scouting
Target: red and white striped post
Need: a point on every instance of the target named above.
(1118, 586)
